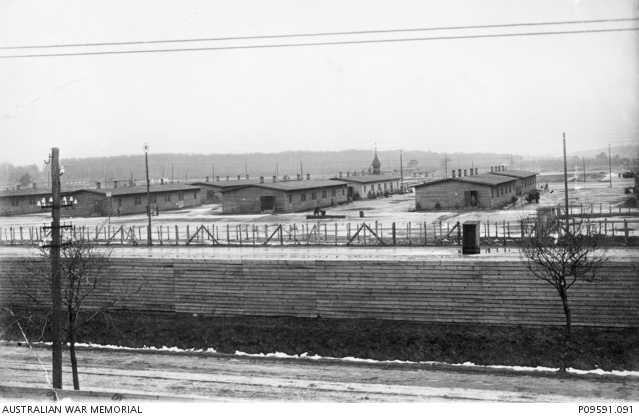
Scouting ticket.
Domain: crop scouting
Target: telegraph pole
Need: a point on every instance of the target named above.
(610, 165)
(401, 169)
(56, 286)
(566, 186)
(148, 192)
(445, 166)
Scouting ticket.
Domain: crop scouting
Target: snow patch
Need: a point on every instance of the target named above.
(349, 359)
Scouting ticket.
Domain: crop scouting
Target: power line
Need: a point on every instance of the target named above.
(363, 32)
(316, 43)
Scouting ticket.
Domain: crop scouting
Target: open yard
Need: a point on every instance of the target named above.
(610, 204)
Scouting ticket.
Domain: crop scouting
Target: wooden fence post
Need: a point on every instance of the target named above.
(625, 230)
(394, 234)
(177, 235)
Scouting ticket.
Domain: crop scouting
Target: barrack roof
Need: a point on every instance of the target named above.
(292, 185)
(516, 173)
(482, 179)
(141, 189)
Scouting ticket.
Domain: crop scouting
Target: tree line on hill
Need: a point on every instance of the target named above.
(184, 167)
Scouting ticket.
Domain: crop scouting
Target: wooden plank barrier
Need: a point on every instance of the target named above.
(484, 291)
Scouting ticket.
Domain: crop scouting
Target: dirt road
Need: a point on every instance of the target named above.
(237, 378)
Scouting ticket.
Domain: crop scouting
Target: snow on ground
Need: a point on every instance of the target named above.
(349, 359)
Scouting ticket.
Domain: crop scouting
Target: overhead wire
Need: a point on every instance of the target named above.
(361, 32)
(370, 41)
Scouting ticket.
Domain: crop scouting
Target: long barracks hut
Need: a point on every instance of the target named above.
(363, 184)
(131, 200)
(25, 200)
(526, 181)
(473, 191)
(212, 191)
(284, 196)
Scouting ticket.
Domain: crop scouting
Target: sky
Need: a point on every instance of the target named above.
(514, 94)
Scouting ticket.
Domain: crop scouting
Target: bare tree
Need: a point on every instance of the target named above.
(563, 256)
(88, 286)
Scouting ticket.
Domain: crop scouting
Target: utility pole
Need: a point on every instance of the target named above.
(610, 165)
(445, 166)
(171, 172)
(148, 192)
(566, 186)
(56, 285)
(584, 162)
(401, 169)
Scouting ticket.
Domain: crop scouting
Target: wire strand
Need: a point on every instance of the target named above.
(363, 32)
(315, 44)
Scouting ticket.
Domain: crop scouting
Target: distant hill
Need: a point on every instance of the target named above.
(197, 166)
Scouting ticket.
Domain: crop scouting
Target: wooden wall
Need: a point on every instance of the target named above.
(247, 200)
(430, 291)
(450, 195)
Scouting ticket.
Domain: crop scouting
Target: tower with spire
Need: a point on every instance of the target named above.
(376, 165)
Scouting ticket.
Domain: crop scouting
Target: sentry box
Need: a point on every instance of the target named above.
(471, 237)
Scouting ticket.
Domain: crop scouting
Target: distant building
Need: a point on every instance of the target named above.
(377, 166)
(212, 191)
(472, 191)
(132, 200)
(25, 200)
(285, 196)
(363, 184)
(526, 181)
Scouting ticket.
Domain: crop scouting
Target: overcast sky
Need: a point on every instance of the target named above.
(512, 94)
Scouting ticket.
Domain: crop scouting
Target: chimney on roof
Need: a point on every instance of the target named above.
(115, 184)
(217, 178)
(162, 180)
(503, 167)
(299, 177)
(453, 173)
(98, 185)
(239, 177)
(18, 187)
(491, 169)
(340, 174)
(308, 176)
(348, 173)
(459, 173)
(261, 180)
(476, 171)
(465, 173)
(247, 177)
(34, 186)
(274, 178)
(363, 173)
(207, 179)
(227, 177)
